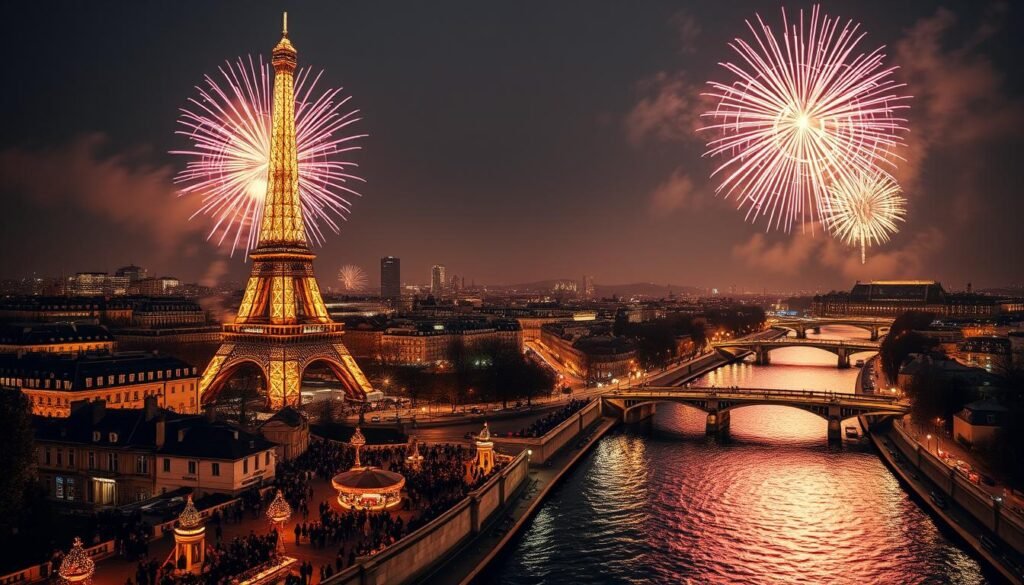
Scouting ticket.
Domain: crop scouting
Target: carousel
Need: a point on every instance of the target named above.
(368, 488)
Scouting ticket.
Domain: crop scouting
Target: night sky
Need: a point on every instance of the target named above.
(510, 141)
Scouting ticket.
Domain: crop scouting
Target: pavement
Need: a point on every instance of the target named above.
(116, 570)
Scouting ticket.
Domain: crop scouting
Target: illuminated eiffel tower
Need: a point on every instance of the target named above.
(282, 324)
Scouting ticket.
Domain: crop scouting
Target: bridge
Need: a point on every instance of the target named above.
(636, 404)
(800, 326)
(761, 347)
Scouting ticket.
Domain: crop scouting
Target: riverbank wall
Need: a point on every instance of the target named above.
(893, 440)
(417, 553)
(543, 448)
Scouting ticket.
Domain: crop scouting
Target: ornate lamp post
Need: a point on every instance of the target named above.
(190, 540)
(484, 451)
(76, 567)
(278, 513)
(357, 441)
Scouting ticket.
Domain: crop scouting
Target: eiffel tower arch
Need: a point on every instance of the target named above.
(282, 325)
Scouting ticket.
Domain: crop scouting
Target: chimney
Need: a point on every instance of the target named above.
(99, 408)
(151, 408)
(161, 432)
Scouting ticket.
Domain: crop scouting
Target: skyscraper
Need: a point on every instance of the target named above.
(391, 278)
(437, 281)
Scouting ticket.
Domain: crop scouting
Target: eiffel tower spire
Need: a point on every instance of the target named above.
(282, 325)
(282, 224)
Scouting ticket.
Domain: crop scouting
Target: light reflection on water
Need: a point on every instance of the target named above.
(774, 503)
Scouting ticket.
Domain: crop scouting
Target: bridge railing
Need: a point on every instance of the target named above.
(711, 392)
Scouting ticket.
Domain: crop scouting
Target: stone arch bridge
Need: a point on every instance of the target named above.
(636, 404)
(761, 347)
(874, 325)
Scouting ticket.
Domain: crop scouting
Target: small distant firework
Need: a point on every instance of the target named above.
(804, 110)
(352, 278)
(228, 124)
(865, 210)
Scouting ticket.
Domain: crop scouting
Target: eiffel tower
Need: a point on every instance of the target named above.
(282, 325)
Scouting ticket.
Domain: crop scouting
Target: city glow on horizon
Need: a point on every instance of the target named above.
(803, 110)
(228, 124)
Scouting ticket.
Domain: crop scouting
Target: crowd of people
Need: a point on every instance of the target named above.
(543, 425)
(445, 475)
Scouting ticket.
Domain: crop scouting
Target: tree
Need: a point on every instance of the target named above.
(936, 396)
(238, 393)
(16, 456)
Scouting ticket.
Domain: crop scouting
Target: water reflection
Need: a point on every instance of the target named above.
(774, 503)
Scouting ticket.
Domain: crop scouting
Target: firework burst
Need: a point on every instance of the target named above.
(352, 278)
(228, 124)
(805, 109)
(865, 210)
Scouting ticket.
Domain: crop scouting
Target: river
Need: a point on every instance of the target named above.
(661, 503)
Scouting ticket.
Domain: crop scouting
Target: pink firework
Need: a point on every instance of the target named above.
(228, 124)
(805, 109)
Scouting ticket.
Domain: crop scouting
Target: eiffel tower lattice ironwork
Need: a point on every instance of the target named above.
(282, 325)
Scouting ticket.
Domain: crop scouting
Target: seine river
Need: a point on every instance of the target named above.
(773, 504)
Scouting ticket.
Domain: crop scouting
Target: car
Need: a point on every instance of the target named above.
(939, 500)
(988, 543)
(497, 409)
(374, 419)
(475, 410)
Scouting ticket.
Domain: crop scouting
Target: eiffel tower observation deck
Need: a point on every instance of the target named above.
(282, 325)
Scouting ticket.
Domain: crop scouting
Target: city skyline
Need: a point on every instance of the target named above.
(553, 157)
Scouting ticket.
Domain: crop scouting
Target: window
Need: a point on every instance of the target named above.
(71, 457)
(92, 460)
(46, 456)
(266, 458)
(69, 488)
(191, 467)
(245, 465)
(256, 462)
(167, 465)
(58, 490)
(215, 467)
(112, 462)
(60, 457)
(141, 464)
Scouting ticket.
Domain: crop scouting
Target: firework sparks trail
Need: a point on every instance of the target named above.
(865, 210)
(228, 125)
(805, 109)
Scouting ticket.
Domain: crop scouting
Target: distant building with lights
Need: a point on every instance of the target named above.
(123, 380)
(91, 284)
(132, 272)
(589, 350)
(890, 298)
(391, 278)
(425, 341)
(438, 283)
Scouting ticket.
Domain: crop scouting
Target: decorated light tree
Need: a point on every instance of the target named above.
(77, 567)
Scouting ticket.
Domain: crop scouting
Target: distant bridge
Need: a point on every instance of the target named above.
(636, 404)
(761, 347)
(800, 326)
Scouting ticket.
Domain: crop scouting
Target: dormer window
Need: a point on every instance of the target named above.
(95, 436)
(112, 438)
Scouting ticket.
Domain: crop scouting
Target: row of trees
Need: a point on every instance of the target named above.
(657, 339)
(903, 339)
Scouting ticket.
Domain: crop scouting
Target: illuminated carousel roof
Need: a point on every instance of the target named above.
(368, 479)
